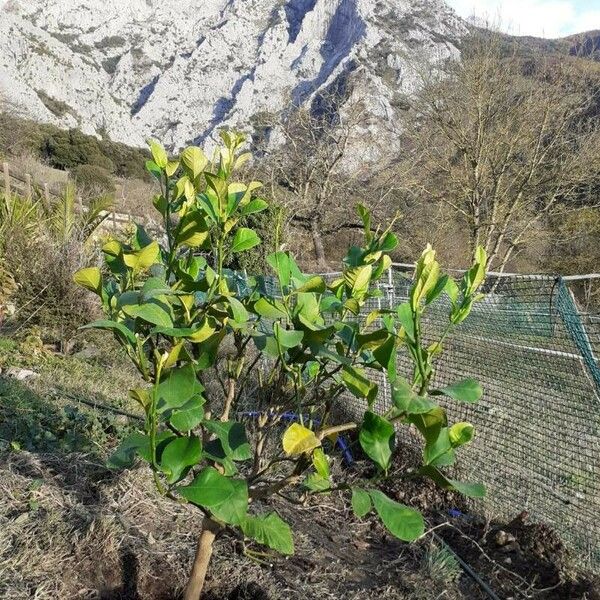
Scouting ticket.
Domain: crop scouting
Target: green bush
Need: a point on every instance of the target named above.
(93, 180)
(40, 247)
(301, 344)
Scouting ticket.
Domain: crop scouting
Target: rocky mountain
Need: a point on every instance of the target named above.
(178, 70)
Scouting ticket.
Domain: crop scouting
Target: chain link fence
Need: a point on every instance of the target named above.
(537, 445)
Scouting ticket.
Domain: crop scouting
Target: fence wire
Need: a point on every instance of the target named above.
(537, 444)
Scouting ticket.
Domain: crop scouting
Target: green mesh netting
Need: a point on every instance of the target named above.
(536, 355)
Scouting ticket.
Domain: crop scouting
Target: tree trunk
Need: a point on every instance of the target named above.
(317, 238)
(193, 589)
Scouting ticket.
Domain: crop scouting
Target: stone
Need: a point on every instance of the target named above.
(20, 374)
(140, 68)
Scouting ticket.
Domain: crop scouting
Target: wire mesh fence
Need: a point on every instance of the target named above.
(535, 353)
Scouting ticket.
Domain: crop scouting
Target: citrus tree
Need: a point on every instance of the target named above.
(296, 348)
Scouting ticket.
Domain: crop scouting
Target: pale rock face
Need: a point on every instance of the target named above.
(179, 70)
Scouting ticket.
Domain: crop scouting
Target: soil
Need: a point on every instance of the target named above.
(93, 534)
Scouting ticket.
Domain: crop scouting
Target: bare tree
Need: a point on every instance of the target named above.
(313, 169)
(504, 142)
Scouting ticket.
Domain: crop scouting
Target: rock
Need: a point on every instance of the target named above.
(20, 374)
(139, 69)
(511, 547)
(87, 353)
(502, 538)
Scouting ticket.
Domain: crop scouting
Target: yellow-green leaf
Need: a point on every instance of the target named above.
(159, 154)
(90, 278)
(298, 439)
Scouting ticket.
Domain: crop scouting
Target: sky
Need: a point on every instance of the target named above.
(542, 18)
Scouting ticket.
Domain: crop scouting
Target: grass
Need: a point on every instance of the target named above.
(54, 410)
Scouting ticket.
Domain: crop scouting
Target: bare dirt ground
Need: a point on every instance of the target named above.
(69, 528)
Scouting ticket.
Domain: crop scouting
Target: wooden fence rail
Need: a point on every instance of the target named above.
(24, 184)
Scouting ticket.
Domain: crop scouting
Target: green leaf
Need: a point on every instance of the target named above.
(315, 284)
(269, 530)
(406, 401)
(377, 439)
(177, 387)
(239, 312)
(244, 239)
(226, 498)
(361, 502)
(466, 390)
(471, 490)
(158, 153)
(189, 415)
(270, 309)
(357, 382)
(401, 521)
(193, 231)
(150, 312)
(320, 463)
(194, 160)
(153, 169)
(405, 316)
(140, 260)
(287, 338)
(89, 278)
(255, 206)
(232, 436)
(179, 455)
(280, 261)
(124, 456)
(125, 333)
(460, 434)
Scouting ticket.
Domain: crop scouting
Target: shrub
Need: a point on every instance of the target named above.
(93, 180)
(40, 248)
(302, 343)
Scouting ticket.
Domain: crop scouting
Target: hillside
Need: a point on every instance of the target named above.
(139, 70)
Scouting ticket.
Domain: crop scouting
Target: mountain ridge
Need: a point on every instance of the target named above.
(140, 70)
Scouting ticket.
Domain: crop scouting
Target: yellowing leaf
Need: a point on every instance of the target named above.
(158, 153)
(298, 439)
(142, 259)
(89, 278)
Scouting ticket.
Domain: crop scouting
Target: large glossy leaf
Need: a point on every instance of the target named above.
(150, 312)
(466, 390)
(377, 439)
(269, 530)
(232, 436)
(254, 206)
(401, 521)
(177, 387)
(89, 278)
(270, 309)
(189, 415)
(357, 382)
(225, 497)
(178, 455)
(298, 439)
(244, 239)
(158, 153)
(193, 231)
(472, 490)
(287, 338)
(406, 401)
(128, 449)
(194, 159)
(140, 260)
